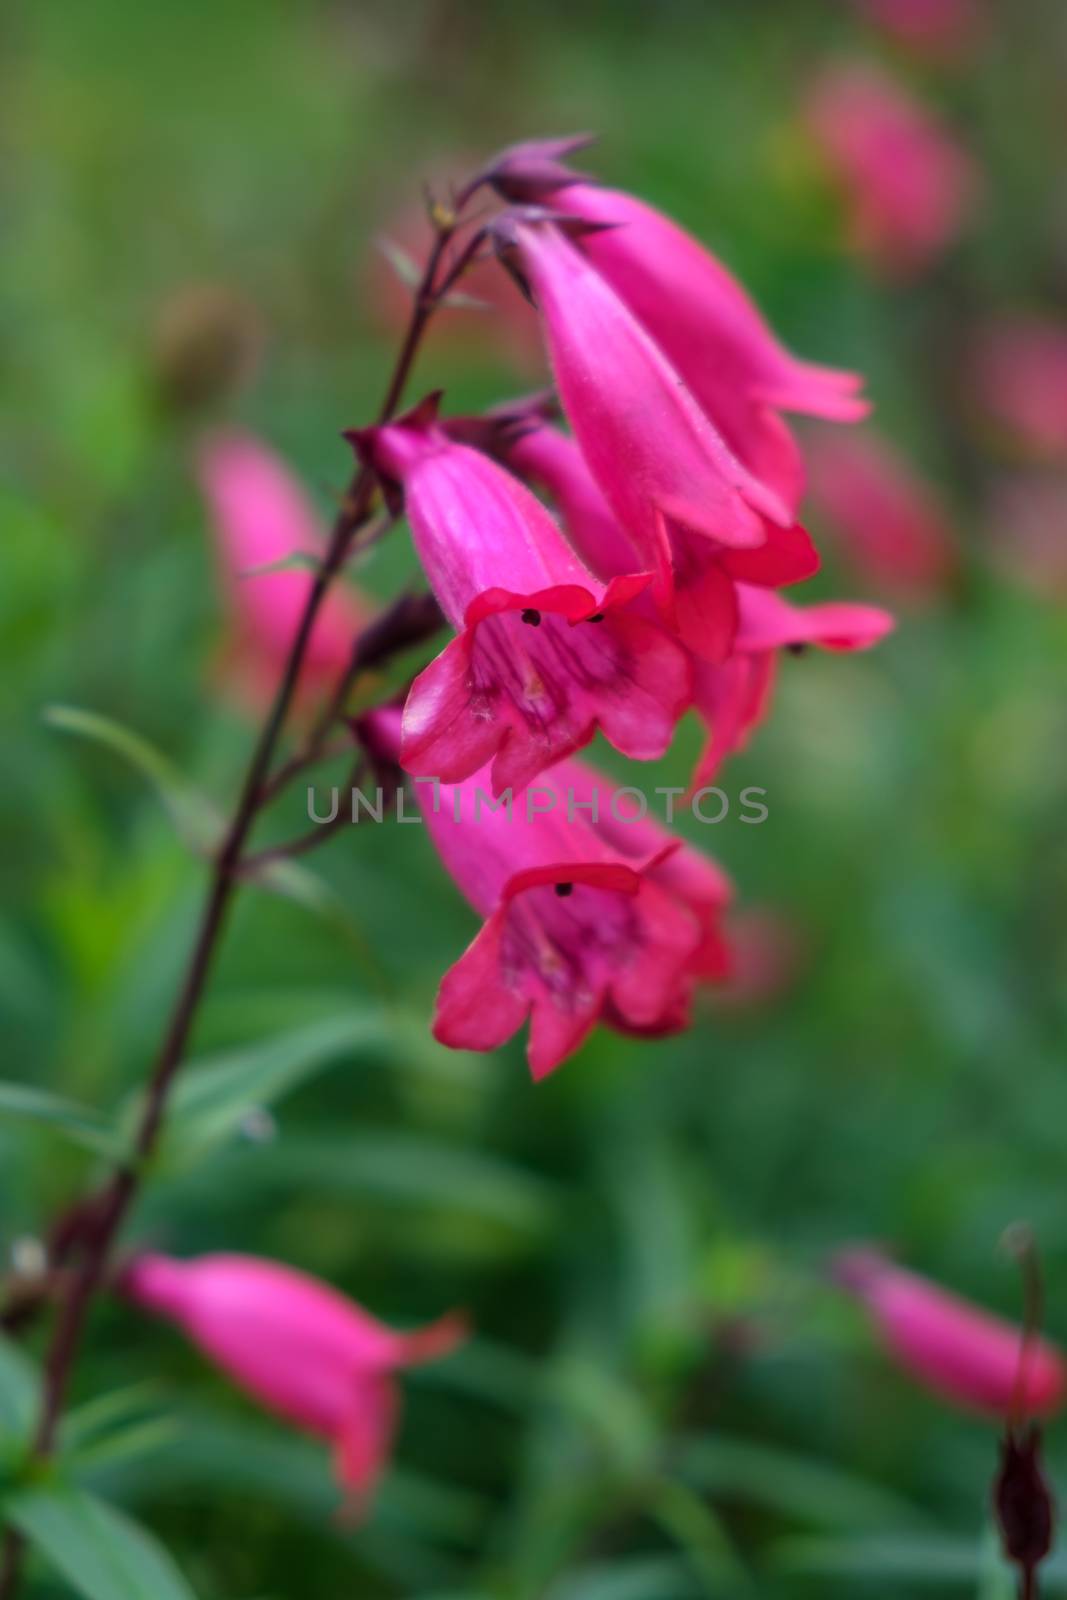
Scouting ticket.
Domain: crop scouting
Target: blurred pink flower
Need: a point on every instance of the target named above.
(298, 1346)
(733, 697)
(546, 653)
(1020, 375)
(697, 517)
(713, 334)
(892, 527)
(768, 949)
(1027, 531)
(940, 29)
(260, 516)
(959, 1351)
(908, 185)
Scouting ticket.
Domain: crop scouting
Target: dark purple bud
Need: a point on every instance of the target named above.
(1022, 1500)
(491, 431)
(534, 168)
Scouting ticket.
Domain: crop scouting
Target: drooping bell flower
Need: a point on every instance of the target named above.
(261, 516)
(959, 1351)
(300, 1348)
(576, 931)
(712, 333)
(893, 529)
(545, 653)
(908, 185)
(699, 520)
(1020, 381)
(733, 698)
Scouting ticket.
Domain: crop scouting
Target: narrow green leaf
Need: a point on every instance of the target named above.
(405, 266)
(195, 819)
(101, 1553)
(19, 1391)
(295, 561)
(211, 1099)
(77, 1123)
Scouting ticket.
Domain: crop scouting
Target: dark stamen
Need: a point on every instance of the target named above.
(797, 649)
(599, 617)
(564, 889)
(532, 617)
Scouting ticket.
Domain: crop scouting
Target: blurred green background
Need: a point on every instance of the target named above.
(663, 1398)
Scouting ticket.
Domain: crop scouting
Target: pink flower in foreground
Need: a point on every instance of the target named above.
(712, 333)
(697, 517)
(546, 653)
(733, 697)
(305, 1351)
(577, 928)
(908, 185)
(261, 515)
(956, 1349)
(893, 528)
(1020, 374)
(936, 28)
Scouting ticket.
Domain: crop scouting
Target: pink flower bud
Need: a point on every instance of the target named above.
(960, 1352)
(545, 653)
(261, 516)
(304, 1351)
(908, 186)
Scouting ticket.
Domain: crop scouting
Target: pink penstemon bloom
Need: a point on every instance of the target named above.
(1019, 372)
(299, 1347)
(733, 697)
(893, 529)
(698, 519)
(1026, 528)
(908, 185)
(261, 516)
(712, 333)
(546, 653)
(576, 930)
(939, 29)
(958, 1350)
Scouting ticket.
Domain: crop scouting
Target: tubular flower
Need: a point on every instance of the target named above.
(261, 516)
(959, 1351)
(576, 930)
(894, 529)
(712, 333)
(941, 29)
(698, 518)
(303, 1350)
(545, 652)
(1020, 374)
(908, 186)
(733, 698)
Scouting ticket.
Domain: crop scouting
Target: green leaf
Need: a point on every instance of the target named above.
(934, 1561)
(636, 1578)
(211, 1099)
(405, 266)
(295, 561)
(195, 819)
(19, 1391)
(77, 1123)
(101, 1553)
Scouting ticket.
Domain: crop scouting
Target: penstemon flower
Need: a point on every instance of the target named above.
(698, 518)
(261, 516)
(305, 1351)
(956, 1349)
(546, 653)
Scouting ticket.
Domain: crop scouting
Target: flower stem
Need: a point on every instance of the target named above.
(107, 1212)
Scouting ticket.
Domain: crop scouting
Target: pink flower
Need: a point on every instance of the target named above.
(768, 951)
(546, 653)
(907, 184)
(261, 516)
(544, 456)
(940, 29)
(712, 333)
(894, 530)
(957, 1350)
(1020, 374)
(733, 697)
(697, 517)
(293, 1343)
(581, 924)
